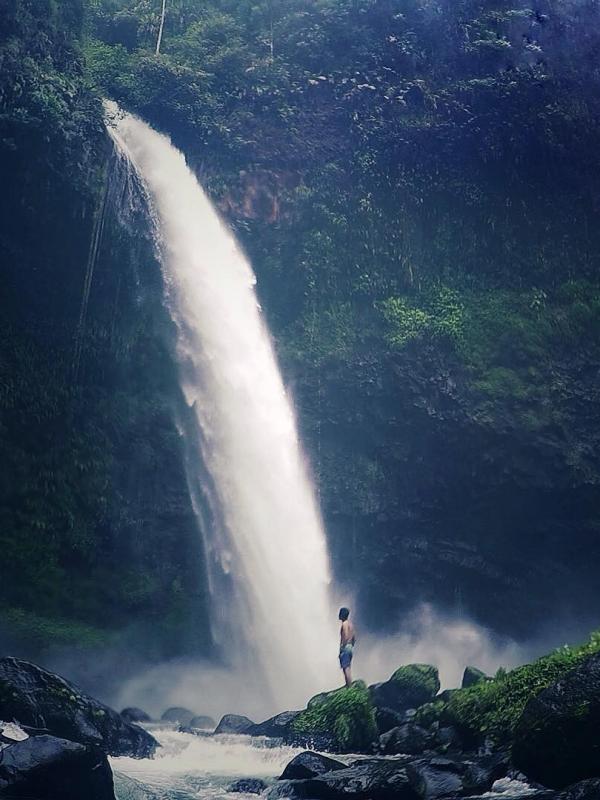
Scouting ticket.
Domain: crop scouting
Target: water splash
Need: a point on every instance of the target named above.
(265, 540)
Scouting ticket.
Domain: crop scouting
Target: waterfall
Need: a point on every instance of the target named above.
(265, 540)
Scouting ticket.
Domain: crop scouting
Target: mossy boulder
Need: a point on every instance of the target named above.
(410, 686)
(472, 676)
(490, 710)
(557, 738)
(41, 699)
(342, 721)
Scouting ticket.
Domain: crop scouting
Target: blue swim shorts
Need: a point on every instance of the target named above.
(346, 656)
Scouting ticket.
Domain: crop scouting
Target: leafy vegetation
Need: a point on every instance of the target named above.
(491, 709)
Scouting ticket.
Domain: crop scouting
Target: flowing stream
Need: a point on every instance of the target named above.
(266, 548)
(188, 766)
(191, 767)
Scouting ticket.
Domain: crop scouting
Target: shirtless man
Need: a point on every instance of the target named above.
(347, 641)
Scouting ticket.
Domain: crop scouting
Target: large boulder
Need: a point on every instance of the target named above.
(408, 738)
(46, 768)
(203, 723)
(234, 723)
(472, 676)
(369, 779)
(278, 726)
(557, 738)
(180, 715)
(343, 721)
(40, 699)
(410, 686)
(133, 714)
(438, 778)
(308, 765)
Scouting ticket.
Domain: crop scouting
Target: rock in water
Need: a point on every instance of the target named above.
(48, 768)
(369, 779)
(277, 726)
(444, 778)
(409, 687)
(248, 786)
(472, 676)
(234, 723)
(203, 723)
(40, 699)
(557, 739)
(133, 714)
(177, 714)
(308, 765)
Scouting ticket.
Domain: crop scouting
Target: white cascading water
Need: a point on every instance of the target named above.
(267, 533)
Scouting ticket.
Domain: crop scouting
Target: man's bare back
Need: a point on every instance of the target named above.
(347, 641)
(347, 635)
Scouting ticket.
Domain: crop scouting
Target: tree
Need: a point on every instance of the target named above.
(161, 27)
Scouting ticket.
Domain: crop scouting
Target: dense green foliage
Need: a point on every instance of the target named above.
(491, 709)
(346, 718)
(415, 186)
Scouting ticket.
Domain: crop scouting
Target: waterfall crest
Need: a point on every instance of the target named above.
(265, 541)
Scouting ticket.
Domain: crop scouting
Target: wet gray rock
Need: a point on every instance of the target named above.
(308, 765)
(446, 738)
(178, 714)
(369, 779)
(133, 714)
(203, 723)
(387, 718)
(439, 778)
(557, 739)
(277, 726)
(42, 700)
(248, 786)
(408, 738)
(46, 768)
(234, 723)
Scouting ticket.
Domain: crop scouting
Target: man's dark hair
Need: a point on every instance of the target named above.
(344, 614)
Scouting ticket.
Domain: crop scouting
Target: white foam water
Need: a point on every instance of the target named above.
(187, 765)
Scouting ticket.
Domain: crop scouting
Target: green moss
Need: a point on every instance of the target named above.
(346, 716)
(429, 713)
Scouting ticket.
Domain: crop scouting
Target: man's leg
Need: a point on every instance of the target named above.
(348, 675)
